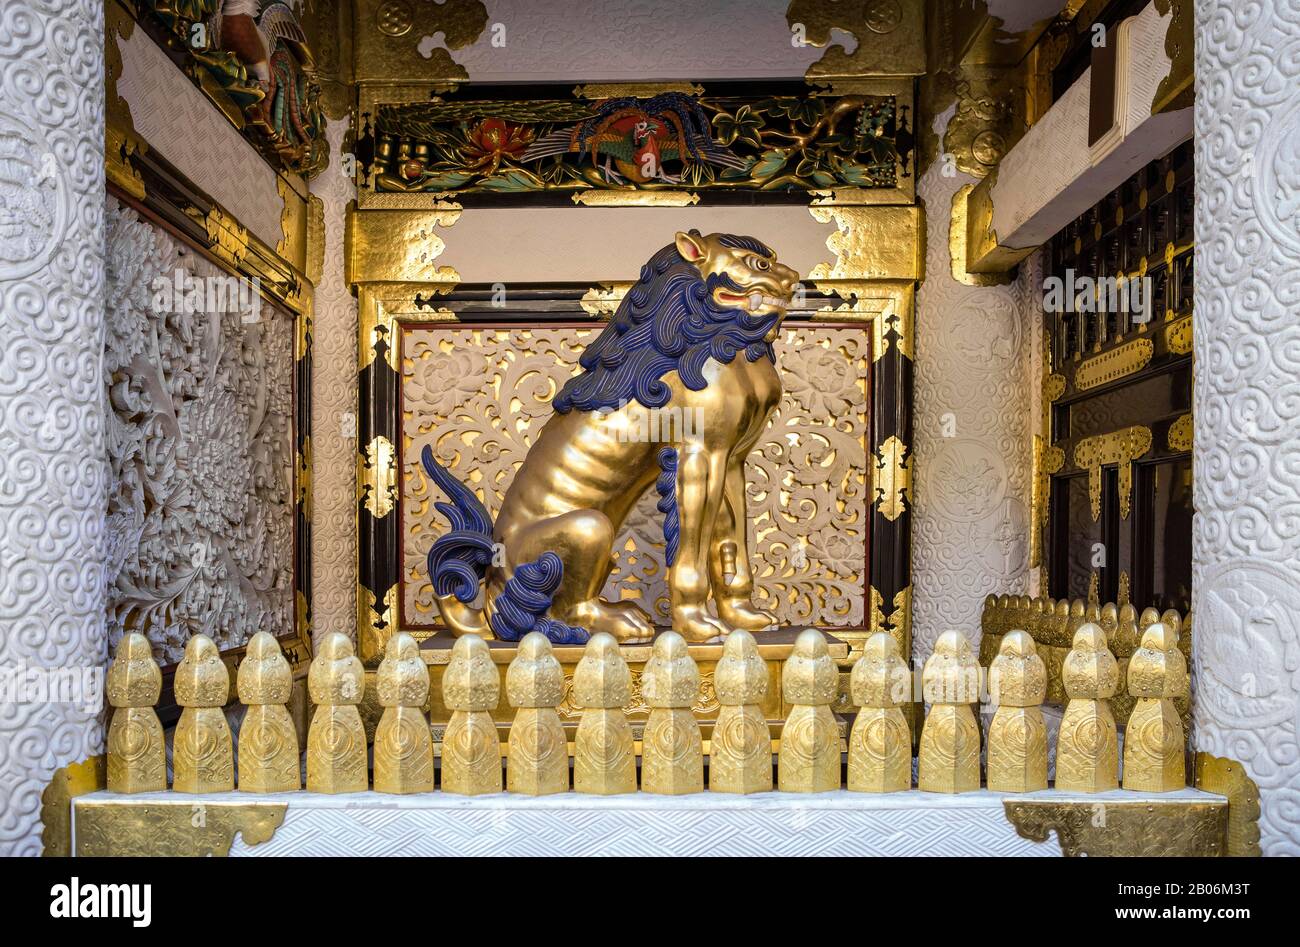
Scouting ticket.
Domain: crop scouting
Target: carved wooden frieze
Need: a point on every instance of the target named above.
(661, 142)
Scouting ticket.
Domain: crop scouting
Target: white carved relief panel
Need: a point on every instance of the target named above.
(477, 396)
(972, 431)
(198, 379)
(53, 472)
(1246, 532)
(334, 413)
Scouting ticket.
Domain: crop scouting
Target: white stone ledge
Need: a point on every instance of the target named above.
(833, 823)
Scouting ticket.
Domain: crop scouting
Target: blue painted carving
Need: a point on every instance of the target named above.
(666, 485)
(668, 321)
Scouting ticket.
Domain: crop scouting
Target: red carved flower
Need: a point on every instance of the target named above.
(493, 139)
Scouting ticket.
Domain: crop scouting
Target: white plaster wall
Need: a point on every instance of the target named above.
(333, 413)
(971, 460)
(178, 120)
(593, 244)
(53, 466)
(1246, 532)
(639, 40)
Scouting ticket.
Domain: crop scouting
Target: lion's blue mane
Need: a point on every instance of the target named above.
(667, 321)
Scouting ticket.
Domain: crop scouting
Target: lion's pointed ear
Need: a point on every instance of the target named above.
(690, 246)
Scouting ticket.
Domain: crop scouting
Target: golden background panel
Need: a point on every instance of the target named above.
(479, 396)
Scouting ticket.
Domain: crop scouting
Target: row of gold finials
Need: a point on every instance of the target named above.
(740, 758)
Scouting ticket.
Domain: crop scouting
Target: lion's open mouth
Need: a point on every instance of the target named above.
(753, 301)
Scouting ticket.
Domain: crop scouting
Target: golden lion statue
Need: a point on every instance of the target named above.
(692, 340)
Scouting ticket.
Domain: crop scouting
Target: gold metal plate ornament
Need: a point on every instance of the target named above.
(377, 477)
(228, 237)
(1180, 433)
(1175, 91)
(635, 198)
(1120, 447)
(171, 825)
(888, 36)
(1178, 336)
(957, 236)
(1117, 363)
(376, 622)
(1047, 461)
(1161, 828)
(872, 243)
(1229, 778)
(891, 475)
(68, 782)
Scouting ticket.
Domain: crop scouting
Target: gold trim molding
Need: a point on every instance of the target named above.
(1120, 447)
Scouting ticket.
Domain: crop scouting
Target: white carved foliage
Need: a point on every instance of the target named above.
(1246, 534)
(199, 376)
(971, 455)
(52, 466)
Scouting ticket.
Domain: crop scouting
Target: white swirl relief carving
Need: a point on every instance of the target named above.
(972, 431)
(334, 414)
(1246, 533)
(53, 467)
(200, 420)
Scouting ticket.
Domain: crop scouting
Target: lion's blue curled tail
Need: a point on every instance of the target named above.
(666, 485)
(458, 560)
(521, 606)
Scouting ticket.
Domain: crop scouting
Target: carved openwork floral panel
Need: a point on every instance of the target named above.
(478, 396)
